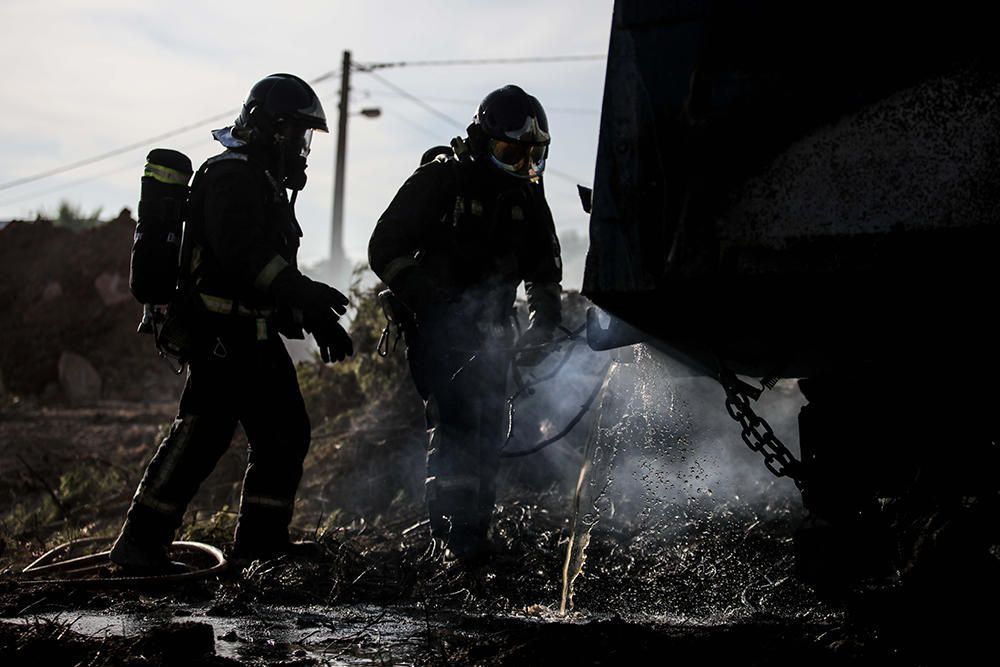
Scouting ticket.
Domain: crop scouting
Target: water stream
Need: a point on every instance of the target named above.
(585, 515)
(667, 485)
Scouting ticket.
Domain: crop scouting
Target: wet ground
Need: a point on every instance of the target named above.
(688, 556)
(376, 598)
(359, 635)
(718, 589)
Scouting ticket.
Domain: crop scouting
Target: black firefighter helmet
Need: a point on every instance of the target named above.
(277, 121)
(283, 109)
(511, 131)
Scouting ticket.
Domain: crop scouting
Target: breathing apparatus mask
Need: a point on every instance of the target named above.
(518, 159)
(292, 145)
(510, 130)
(277, 123)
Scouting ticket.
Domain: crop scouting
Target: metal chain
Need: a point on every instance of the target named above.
(757, 433)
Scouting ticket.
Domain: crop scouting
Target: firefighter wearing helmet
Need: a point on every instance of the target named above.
(461, 234)
(241, 288)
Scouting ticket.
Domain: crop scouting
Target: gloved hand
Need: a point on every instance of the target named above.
(334, 343)
(531, 341)
(295, 289)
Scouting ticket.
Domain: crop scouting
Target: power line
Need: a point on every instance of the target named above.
(115, 152)
(416, 100)
(369, 67)
(448, 119)
(87, 179)
(475, 103)
(66, 186)
(138, 144)
(569, 178)
(415, 125)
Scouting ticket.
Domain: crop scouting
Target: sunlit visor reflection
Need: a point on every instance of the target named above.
(307, 138)
(297, 139)
(524, 160)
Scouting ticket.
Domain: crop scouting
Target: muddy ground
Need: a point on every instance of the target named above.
(711, 580)
(689, 545)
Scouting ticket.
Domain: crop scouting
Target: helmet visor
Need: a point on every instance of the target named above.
(296, 139)
(521, 160)
(306, 142)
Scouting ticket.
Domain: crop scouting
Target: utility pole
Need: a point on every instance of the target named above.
(337, 231)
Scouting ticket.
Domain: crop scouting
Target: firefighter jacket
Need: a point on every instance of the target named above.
(241, 234)
(461, 231)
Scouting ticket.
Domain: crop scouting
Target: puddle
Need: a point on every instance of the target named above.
(355, 635)
(369, 634)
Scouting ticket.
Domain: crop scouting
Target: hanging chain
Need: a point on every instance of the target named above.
(756, 432)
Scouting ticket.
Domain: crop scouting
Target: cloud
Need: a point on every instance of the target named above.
(95, 76)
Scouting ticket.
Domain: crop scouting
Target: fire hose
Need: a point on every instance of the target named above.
(527, 388)
(90, 570)
(385, 348)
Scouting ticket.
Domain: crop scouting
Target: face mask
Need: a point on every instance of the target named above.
(518, 159)
(293, 143)
(295, 172)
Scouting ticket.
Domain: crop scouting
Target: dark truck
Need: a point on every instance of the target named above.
(812, 191)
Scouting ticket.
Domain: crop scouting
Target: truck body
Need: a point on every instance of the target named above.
(812, 191)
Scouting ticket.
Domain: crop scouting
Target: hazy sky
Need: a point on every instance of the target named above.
(84, 78)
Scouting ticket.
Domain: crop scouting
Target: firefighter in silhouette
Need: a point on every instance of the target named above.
(459, 237)
(239, 289)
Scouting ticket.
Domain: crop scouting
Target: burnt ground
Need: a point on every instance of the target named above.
(715, 590)
(690, 557)
(710, 581)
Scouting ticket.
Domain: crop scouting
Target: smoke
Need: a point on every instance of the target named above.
(670, 500)
(667, 491)
(667, 436)
(549, 406)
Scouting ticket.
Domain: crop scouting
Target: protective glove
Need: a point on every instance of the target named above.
(334, 343)
(299, 291)
(531, 342)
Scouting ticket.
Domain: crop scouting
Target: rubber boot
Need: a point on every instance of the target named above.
(142, 558)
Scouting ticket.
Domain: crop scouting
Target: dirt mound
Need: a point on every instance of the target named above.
(64, 295)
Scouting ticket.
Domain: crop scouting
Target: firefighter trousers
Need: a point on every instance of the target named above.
(465, 425)
(238, 379)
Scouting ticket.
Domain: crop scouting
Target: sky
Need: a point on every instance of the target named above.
(86, 78)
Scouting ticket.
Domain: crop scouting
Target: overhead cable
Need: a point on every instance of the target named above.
(448, 119)
(368, 67)
(138, 144)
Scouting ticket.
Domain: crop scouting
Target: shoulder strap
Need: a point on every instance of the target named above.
(457, 172)
(225, 155)
(189, 263)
